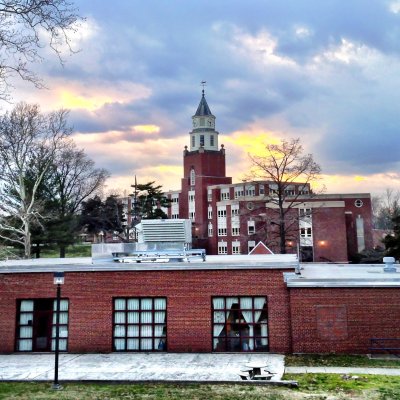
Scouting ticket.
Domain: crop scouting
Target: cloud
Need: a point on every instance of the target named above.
(319, 70)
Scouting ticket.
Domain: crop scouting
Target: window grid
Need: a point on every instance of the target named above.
(25, 325)
(222, 248)
(235, 231)
(240, 323)
(140, 324)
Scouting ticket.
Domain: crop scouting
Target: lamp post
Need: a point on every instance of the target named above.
(58, 280)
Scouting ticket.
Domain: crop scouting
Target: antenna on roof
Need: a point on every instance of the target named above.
(203, 83)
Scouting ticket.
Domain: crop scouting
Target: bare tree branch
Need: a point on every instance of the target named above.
(27, 26)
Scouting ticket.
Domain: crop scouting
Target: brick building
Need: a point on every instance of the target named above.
(232, 218)
(226, 304)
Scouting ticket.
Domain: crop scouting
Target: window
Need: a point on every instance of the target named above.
(250, 190)
(175, 216)
(193, 141)
(250, 245)
(261, 189)
(224, 194)
(358, 203)
(222, 231)
(212, 140)
(202, 121)
(192, 177)
(289, 191)
(210, 230)
(234, 210)
(175, 200)
(139, 324)
(273, 189)
(192, 215)
(210, 212)
(235, 231)
(306, 232)
(209, 195)
(222, 212)
(239, 191)
(303, 190)
(360, 233)
(36, 325)
(222, 248)
(191, 196)
(251, 227)
(236, 247)
(202, 140)
(240, 323)
(305, 212)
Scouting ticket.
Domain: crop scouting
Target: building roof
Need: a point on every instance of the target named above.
(343, 276)
(203, 109)
(85, 264)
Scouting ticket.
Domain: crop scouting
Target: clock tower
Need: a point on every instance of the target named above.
(203, 165)
(203, 134)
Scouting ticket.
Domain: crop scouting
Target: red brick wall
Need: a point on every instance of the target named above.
(342, 320)
(329, 234)
(188, 295)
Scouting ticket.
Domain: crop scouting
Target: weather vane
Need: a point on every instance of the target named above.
(203, 83)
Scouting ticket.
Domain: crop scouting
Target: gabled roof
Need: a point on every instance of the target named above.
(203, 109)
(261, 248)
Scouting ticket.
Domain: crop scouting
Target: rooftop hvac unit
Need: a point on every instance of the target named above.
(165, 230)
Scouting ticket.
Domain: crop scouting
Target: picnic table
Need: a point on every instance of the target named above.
(255, 371)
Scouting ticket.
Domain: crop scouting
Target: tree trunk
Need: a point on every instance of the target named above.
(27, 242)
(37, 250)
(62, 251)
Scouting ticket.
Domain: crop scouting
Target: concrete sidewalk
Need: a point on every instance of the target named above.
(343, 370)
(135, 366)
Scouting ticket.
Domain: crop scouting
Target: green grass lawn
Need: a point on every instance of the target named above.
(77, 250)
(339, 360)
(312, 386)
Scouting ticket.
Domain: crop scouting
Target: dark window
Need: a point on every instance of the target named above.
(139, 324)
(212, 140)
(202, 140)
(240, 323)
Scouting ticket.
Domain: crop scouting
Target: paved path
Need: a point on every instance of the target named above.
(343, 370)
(135, 366)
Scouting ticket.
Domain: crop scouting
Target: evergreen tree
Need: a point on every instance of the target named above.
(392, 242)
(148, 201)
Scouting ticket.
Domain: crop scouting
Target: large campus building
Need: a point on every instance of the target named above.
(232, 218)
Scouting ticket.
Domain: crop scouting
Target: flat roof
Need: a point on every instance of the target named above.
(312, 275)
(85, 264)
(343, 275)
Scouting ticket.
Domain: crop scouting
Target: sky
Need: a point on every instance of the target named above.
(327, 72)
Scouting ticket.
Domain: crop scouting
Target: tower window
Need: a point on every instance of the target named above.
(212, 140)
(192, 177)
(193, 141)
(202, 121)
(202, 140)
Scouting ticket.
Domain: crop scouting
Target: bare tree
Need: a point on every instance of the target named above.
(29, 141)
(26, 26)
(71, 179)
(385, 208)
(285, 165)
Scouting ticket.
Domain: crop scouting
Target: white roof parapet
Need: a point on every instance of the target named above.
(343, 275)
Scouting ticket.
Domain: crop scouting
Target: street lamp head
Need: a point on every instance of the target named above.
(58, 278)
